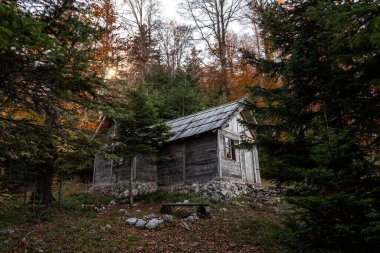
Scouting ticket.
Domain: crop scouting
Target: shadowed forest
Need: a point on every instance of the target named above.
(308, 70)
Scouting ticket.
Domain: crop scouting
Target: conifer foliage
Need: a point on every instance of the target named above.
(139, 130)
(46, 81)
(319, 130)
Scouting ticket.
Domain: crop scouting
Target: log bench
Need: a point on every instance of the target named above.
(203, 209)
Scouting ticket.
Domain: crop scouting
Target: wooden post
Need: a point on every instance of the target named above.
(111, 171)
(218, 144)
(184, 162)
(34, 193)
(240, 151)
(133, 169)
(94, 173)
(60, 187)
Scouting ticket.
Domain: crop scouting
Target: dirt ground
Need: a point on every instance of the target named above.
(237, 226)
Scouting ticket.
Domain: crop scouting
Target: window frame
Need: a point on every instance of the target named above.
(229, 149)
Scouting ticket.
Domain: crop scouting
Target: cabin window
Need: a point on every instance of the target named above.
(229, 148)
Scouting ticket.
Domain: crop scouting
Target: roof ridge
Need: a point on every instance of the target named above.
(216, 117)
(204, 111)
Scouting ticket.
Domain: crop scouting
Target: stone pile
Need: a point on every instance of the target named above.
(121, 189)
(223, 190)
(150, 221)
(213, 190)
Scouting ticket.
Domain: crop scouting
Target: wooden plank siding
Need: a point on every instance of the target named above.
(121, 172)
(229, 168)
(170, 170)
(108, 172)
(195, 154)
(201, 159)
(102, 171)
(190, 160)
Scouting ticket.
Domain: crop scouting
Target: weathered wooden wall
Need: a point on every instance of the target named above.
(201, 159)
(146, 169)
(188, 161)
(121, 172)
(246, 166)
(170, 166)
(102, 171)
(107, 171)
(229, 168)
(195, 159)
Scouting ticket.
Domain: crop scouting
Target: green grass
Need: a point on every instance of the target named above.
(77, 201)
(8, 218)
(266, 232)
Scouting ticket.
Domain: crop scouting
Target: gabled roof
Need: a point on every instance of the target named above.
(204, 121)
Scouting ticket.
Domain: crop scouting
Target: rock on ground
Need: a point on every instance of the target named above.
(123, 211)
(168, 217)
(185, 226)
(152, 224)
(140, 223)
(131, 221)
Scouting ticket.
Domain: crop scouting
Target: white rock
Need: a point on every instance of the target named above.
(186, 201)
(131, 221)
(152, 224)
(160, 221)
(140, 223)
(168, 217)
(185, 226)
(108, 226)
(223, 209)
(189, 219)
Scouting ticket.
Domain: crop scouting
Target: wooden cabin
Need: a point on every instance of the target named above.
(201, 150)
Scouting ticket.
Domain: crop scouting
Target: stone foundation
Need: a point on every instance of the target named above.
(224, 190)
(121, 189)
(213, 190)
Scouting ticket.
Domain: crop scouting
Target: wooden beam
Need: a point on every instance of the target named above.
(111, 170)
(184, 161)
(219, 156)
(94, 173)
(240, 156)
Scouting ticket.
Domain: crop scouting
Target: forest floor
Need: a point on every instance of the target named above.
(89, 223)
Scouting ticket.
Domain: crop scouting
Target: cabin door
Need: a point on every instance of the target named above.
(249, 166)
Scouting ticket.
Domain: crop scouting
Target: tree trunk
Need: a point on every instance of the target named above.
(42, 192)
(133, 173)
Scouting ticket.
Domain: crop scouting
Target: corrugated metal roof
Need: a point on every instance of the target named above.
(203, 121)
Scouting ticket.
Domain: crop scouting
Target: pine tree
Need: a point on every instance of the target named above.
(139, 130)
(319, 130)
(46, 79)
(176, 93)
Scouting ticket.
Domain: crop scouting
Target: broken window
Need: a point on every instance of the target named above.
(229, 148)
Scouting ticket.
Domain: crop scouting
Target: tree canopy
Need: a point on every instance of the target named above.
(319, 129)
(47, 82)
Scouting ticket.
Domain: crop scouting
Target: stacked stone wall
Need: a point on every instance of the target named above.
(121, 189)
(213, 190)
(224, 190)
